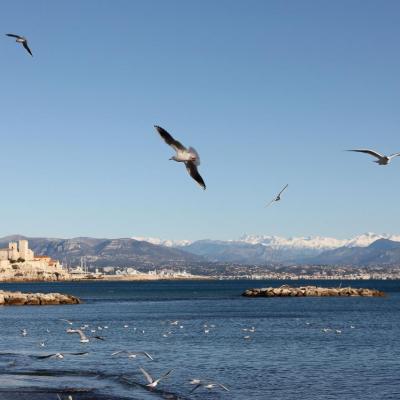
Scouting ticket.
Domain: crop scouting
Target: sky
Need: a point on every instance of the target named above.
(268, 92)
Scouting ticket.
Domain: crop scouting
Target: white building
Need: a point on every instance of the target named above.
(17, 252)
(18, 261)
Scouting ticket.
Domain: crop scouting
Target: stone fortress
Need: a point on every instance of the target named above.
(19, 263)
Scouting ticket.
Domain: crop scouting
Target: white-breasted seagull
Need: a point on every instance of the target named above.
(21, 39)
(189, 156)
(381, 159)
(153, 382)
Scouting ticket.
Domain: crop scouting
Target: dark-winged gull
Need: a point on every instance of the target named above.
(61, 355)
(381, 159)
(153, 382)
(277, 197)
(21, 39)
(189, 156)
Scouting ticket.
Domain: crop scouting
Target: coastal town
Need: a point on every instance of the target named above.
(19, 263)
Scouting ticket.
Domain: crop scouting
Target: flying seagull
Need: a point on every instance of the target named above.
(381, 159)
(278, 197)
(153, 382)
(83, 337)
(207, 385)
(22, 40)
(60, 355)
(188, 156)
(133, 354)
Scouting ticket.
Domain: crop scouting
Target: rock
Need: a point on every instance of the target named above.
(288, 291)
(19, 299)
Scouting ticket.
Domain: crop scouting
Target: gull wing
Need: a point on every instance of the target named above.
(370, 152)
(272, 201)
(394, 155)
(98, 337)
(194, 173)
(81, 334)
(82, 353)
(147, 355)
(146, 375)
(15, 36)
(169, 139)
(222, 386)
(282, 190)
(165, 375)
(46, 356)
(118, 352)
(25, 44)
(196, 387)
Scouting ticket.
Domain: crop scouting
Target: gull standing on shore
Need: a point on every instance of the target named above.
(278, 196)
(381, 159)
(22, 40)
(188, 156)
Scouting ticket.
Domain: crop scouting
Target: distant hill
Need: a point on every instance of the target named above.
(380, 252)
(107, 252)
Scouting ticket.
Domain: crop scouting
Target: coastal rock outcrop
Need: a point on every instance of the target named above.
(31, 299)
(286, 291)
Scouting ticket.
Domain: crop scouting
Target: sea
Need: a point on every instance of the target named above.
(344, 348)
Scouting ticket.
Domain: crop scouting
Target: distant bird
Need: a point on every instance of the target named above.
(24, 332)
(22, 40)
(381, 159)
(83, 337)
(60, 355)
(207, 385)
(277, 197)
(133, 354)
(153, 382)
(188, 156)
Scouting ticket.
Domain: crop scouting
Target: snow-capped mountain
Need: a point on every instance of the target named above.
(261, 249)
(316, 242)
(162, 242)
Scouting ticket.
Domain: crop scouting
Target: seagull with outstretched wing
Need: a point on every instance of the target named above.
(133, 354)
(21, 39)
(188, 156)
(60, 355)
(381, 159)
(278, 196)
(207, 385)
(152, 383)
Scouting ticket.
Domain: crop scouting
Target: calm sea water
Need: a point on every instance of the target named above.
(288, 356)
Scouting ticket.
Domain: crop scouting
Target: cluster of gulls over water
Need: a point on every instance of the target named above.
(190, 157)
(87, 333)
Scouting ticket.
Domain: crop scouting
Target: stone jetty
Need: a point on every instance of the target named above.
(289, 291)
(35, 299)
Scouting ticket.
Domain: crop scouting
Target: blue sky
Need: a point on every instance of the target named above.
(268, 92)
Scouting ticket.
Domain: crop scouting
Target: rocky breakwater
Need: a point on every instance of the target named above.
(35, 299)
(302, 291)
